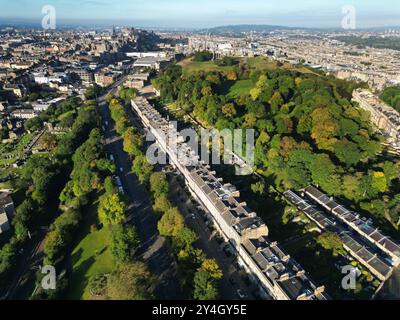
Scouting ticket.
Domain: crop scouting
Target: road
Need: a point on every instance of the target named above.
(154, 249)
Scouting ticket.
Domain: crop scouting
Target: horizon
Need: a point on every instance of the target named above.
(207, 14)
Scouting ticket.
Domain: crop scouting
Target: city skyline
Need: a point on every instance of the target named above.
(180, 14)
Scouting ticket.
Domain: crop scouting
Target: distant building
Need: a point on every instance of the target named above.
(4, 223)
(7, 211)
(85, 76)
(18, 90)
(23, 114)
(156, 54)
(148, 62)
(104, 79)
(383, 116)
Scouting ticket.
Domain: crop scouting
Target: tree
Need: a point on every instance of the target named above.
(379, 182)
(204, 288)
(232, 76)
(162, 204)
(142, 168)
(127, 94)
(258, 187)
(171, 223)
(49, 141)
(276, 101)
(132, 281)
(111, 209)
(347, 152)
(53, 244)
(124, 240)
(159, 184)
(4, 133)
(98, 284)
(202, 56)
(205, 281)
(8, 254)
(211, 266)
(33, 124)
(132, 142)
(92, 92)
(331, 241)
(229, 110)
(185, 238)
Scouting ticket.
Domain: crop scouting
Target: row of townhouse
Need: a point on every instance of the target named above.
(276, 273)
(357, 223)
(380, 264)
(383, 116)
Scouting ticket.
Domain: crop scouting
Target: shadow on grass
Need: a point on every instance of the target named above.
(79, 279)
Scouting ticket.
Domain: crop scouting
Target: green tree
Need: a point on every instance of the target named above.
(206, 281)
(132, 281)
(331, 241)
(132, 142)
(162, 204)
(54, 243)
(111, 209)
(159, 184)
(171, 223)
(142, 168)
(124, 240)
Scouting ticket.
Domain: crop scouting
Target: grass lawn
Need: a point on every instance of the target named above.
(260, 63)
(240, 88)
(66, 114)
(207, 66)
(91, 256)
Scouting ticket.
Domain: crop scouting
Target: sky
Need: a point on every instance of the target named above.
(207, 13)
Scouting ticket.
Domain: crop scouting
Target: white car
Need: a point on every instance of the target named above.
(121, 169)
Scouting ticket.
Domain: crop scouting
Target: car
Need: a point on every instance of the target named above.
(193, 216)
(121, 169)
(112, 157)
(240, 294)
(121, 190)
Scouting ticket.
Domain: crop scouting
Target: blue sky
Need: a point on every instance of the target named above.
(206, 13)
